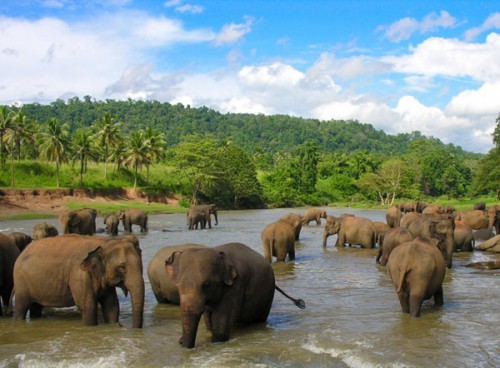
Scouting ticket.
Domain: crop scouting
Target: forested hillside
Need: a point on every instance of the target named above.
(270, 134)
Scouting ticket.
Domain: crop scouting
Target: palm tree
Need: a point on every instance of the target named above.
(108, 133)
(83, 150)
(54, 144)
(155, 142)
(6, 118)
(137, 153)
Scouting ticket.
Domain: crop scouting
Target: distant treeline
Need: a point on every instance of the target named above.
(262, 133)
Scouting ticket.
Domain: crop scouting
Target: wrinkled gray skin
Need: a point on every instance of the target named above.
(8, 255)
(162, 285)
(464, 238)
(441, 228)
(313, 214)
(44, 230)
(201, 215)
(393, 216)
(295, 220)
(20, 239)
(394, 237)
(133, 217)
(417, 269)
(278, 240)
(80, 270)
(351, 230)
(111, 223)
(228, 284)
(82, 221)
(482, 234)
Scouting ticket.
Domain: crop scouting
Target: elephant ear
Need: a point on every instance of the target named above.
(227, 273)
(172, 266)
(74, 219)
(93, 264)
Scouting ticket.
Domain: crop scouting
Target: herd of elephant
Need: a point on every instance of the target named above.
(228, 283)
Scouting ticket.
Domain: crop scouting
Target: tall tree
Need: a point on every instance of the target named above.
(137, 153)
(54, 144)
(108, 133)
(6, 119)
(155, 143)
(83, 149)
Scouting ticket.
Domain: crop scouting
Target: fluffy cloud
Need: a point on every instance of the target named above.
(492, 22)
(404, 28)
(233, 32)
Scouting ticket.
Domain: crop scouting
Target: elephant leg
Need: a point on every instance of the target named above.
(379, 255)
(35, 310)
(89, 313)
(291, 254)
(404, 301)
(207, 316)
(340, 240)
(438, 297)
(110, 307)
(415, 304)
(221, 327)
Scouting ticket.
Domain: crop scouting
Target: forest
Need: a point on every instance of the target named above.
(234, 160)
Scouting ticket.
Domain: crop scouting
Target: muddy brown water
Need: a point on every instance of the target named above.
(352, 319)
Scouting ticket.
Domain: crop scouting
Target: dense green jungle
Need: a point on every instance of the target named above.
(234, 160)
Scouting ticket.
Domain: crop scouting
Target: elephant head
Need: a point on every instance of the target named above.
(44, 230)
(118, 263)
(202, 277)
(443, 229)
(212, 209)
(332, 227)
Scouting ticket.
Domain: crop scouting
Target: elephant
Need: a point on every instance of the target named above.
(463, 238)
(408, 218)
(490, 245)
(229, 284)
(163, 287)
(381, 228)
(9, 252)
(201, 214)
(133, 216)
(278, 239)
(351, 230)
(393, 238)
(80, 270)
(439, 227)
(494, 217)
(44, 230)
(417, 269)
(20, 239)
(313, 214)
(479, 206)
(296, 221)
(482, 234)
(82, 221)
(434, 209)
(111, 223)
(393, 216)
(475, 219)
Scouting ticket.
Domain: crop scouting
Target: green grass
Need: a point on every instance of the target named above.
(28, 216)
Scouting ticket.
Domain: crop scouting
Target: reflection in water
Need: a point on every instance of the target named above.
(353, 317)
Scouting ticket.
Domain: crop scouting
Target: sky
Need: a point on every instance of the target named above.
(401, 66)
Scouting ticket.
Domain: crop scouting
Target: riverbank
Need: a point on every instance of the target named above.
(52, 202)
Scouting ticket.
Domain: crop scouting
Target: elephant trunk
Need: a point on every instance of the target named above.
(136, 289)
(325, 236)
(190, 323)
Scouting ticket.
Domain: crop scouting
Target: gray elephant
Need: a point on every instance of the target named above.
(163, 287)
(80, 270)
(393, 216)
(482, 234)
(20, 239)
(82, 221)
(490, 245)
(351, 230)
(417, 269)
(133, 216)
(381, 228)
(441, 228)
(8, 255)
(201, 215)
(229, 284)
(394, 237)
(111, 223)
(313, 214)
(463, 238)
(494, 218)
(476, 219)
(278, 240)
(408, 218)
(44, 230)
(295, 221)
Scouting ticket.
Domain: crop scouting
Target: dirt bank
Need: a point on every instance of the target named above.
(53, 201)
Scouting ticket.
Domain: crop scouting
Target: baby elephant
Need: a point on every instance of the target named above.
(313, 214)
(417, 269)
(111, 222)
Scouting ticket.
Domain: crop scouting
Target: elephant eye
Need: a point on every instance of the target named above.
(121, 269)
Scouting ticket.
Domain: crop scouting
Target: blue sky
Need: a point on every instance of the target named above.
(432, 66)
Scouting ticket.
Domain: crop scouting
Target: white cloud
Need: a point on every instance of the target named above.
(492, 22)
(484, 101)
(451, 58)
(404, 28)
(233, 32)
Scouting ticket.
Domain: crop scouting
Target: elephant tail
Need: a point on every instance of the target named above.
(9, 311)
(404, 269)
(298, 302)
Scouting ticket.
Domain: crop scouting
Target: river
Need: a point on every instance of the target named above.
(353, 317)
